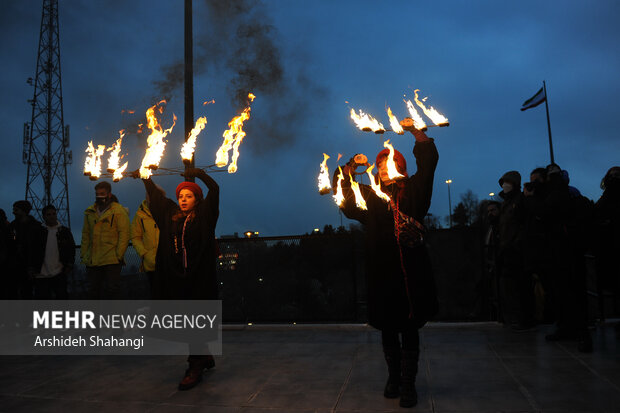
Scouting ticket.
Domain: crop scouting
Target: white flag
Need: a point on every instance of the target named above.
(535, 100)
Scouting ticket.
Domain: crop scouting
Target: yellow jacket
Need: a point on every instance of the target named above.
(145, 236)
(104, 238)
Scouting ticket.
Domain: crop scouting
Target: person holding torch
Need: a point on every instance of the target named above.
(401, 287)
(186, 254)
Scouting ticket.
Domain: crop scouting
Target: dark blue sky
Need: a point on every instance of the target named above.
(476, 60)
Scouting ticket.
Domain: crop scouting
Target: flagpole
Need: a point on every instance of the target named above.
(548, 122)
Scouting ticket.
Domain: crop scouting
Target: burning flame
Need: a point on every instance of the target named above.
(437, 118)
(187, 150)
(324, 184)
(375, 186)
(118, 174)
(155, 142)
(92, 165)
(359, 199)
(130, 111)
(418, 122)
(115, 158)
(394, 122)
(232, 139)
(115, 150)
(366, 122)
(208, 102)
(391, 165)
(339, 197)
(339, 156)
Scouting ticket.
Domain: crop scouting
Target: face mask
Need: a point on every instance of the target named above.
(100, 200)
(506, 187)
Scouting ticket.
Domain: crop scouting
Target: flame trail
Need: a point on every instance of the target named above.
(437, 118)
(155, 142)
(418, 122)
(118, 174)
(115, 150)
(188, 148)
(324, 184)
(339, 197)
(359, 199)
(232, 139)
(375, 186)
(394, 122)
(366, 123)
(391, 165)
(92, 165)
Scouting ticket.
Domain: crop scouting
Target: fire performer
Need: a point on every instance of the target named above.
(186, 254)
(401, 288)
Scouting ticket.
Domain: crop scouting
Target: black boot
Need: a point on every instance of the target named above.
(409, 370)
(193, 375)
(392, 358)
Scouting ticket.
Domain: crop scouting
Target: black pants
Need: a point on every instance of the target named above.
(571, 301)
(51, 287)
(410, 339)
(104, 282)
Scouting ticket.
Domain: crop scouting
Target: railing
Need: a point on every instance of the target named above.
(321, 278)
(309, 278)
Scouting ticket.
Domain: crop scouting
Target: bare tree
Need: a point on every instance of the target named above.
(471, 204)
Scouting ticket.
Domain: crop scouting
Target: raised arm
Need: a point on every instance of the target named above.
(158, 203)
(426, 158)
(211, 205)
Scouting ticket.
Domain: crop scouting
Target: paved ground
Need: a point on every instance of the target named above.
(463, 368)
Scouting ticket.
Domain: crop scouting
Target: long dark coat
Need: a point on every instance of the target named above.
(607, 238)
(171, 280)
(511, 234)
(388, 305)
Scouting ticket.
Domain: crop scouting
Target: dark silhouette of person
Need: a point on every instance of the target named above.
(29, 244)
(490, 244)
(607, 232)
(185, 261)
(7, 259)
(516, 286)
(401, 288)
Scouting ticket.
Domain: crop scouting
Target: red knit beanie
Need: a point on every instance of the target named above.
(192, 187)
(401, 163)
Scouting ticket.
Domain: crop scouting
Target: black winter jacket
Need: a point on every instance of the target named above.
(388, 304)
(172, 279)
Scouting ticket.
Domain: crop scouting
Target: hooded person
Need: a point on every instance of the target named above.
(515, 284)
(401, 288)
(186, 254)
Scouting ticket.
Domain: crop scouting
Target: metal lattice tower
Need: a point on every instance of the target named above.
(46, 140)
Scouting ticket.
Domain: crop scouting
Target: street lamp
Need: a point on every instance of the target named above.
(449, 181)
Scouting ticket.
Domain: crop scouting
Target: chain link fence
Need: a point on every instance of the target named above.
(320, 278)
(310, 278)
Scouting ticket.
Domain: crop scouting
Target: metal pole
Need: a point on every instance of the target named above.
(548, 122)
(449, 181)
(189, 78)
